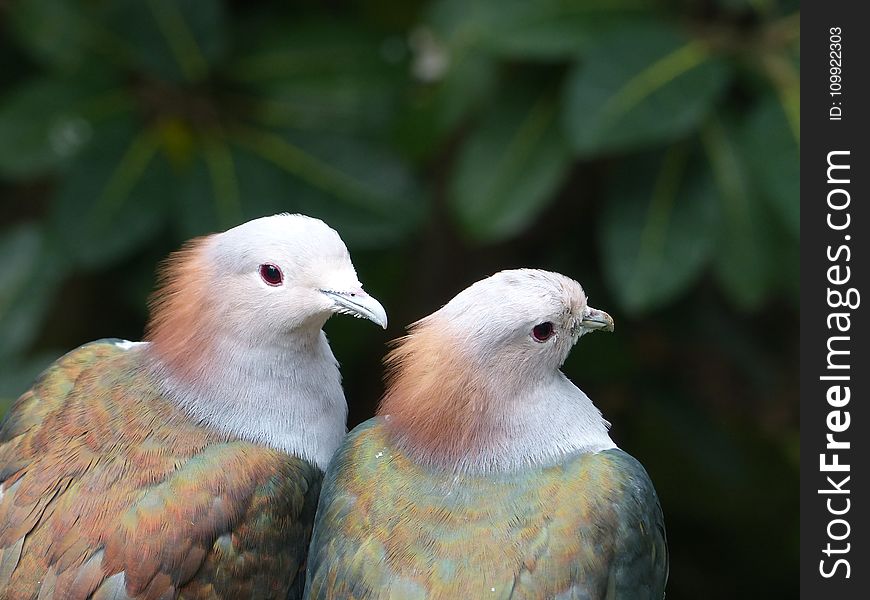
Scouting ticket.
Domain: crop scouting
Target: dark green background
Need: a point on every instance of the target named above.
(647, 149)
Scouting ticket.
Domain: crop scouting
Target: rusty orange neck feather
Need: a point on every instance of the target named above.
(179, 327)
(436, 399)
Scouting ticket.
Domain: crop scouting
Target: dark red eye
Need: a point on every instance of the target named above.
(271, 274)
(543, 332)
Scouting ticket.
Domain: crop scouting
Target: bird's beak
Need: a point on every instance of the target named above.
(596, 319)
(358, 304)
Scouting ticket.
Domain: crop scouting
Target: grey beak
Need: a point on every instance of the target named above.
(594, 319)
(359, 304)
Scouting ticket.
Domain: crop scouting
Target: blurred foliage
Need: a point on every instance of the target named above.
(647, 148)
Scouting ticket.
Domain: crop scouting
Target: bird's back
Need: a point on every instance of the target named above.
(590, 527)
(107, 490)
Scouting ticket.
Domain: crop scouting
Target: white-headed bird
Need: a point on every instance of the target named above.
(189, 465)
(487, 473)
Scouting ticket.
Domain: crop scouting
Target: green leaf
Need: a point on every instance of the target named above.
(558, 30)
(359, 188)
(437, 110)
(178, 40)
(762, 7)
(773, 154)
(114, 198)
(320, 76)
(510, 167)
(57, 33)
(40, 127)
(658, 228)
(209, 199)
(643, 85)
(362, 189)
(743, 254)
(46, 122)
(29, 276)
(228, 185)
(541, 30)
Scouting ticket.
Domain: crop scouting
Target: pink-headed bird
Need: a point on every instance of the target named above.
(487, 473)
(188, 465)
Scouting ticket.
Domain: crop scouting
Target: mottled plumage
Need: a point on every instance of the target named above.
(488, 474)
(589, 527)
(109, 491)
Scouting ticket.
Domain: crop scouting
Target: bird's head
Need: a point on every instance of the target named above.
(284, 272)
(520, 319)
(473, 363)
(258, 282)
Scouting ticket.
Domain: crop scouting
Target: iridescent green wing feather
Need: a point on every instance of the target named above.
(641, 562)
(108, 491)
(388, 528)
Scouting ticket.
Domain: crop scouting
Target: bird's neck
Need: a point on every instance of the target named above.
(482, 428)
(285, 394)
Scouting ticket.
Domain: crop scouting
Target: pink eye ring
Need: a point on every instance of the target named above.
(543, 331)
(271, 274)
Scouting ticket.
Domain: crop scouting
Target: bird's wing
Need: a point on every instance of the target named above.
(108, 491)
(640, 564)
(345, 558)
(386, 527)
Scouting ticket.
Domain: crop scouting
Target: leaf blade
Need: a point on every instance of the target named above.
(625, 92)
(509, 169)
(655, 244)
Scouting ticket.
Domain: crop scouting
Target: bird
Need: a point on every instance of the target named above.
(187, 465)
(486, 473)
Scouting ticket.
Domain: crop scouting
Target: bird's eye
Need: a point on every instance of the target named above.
(271, 274)
(543, 331)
